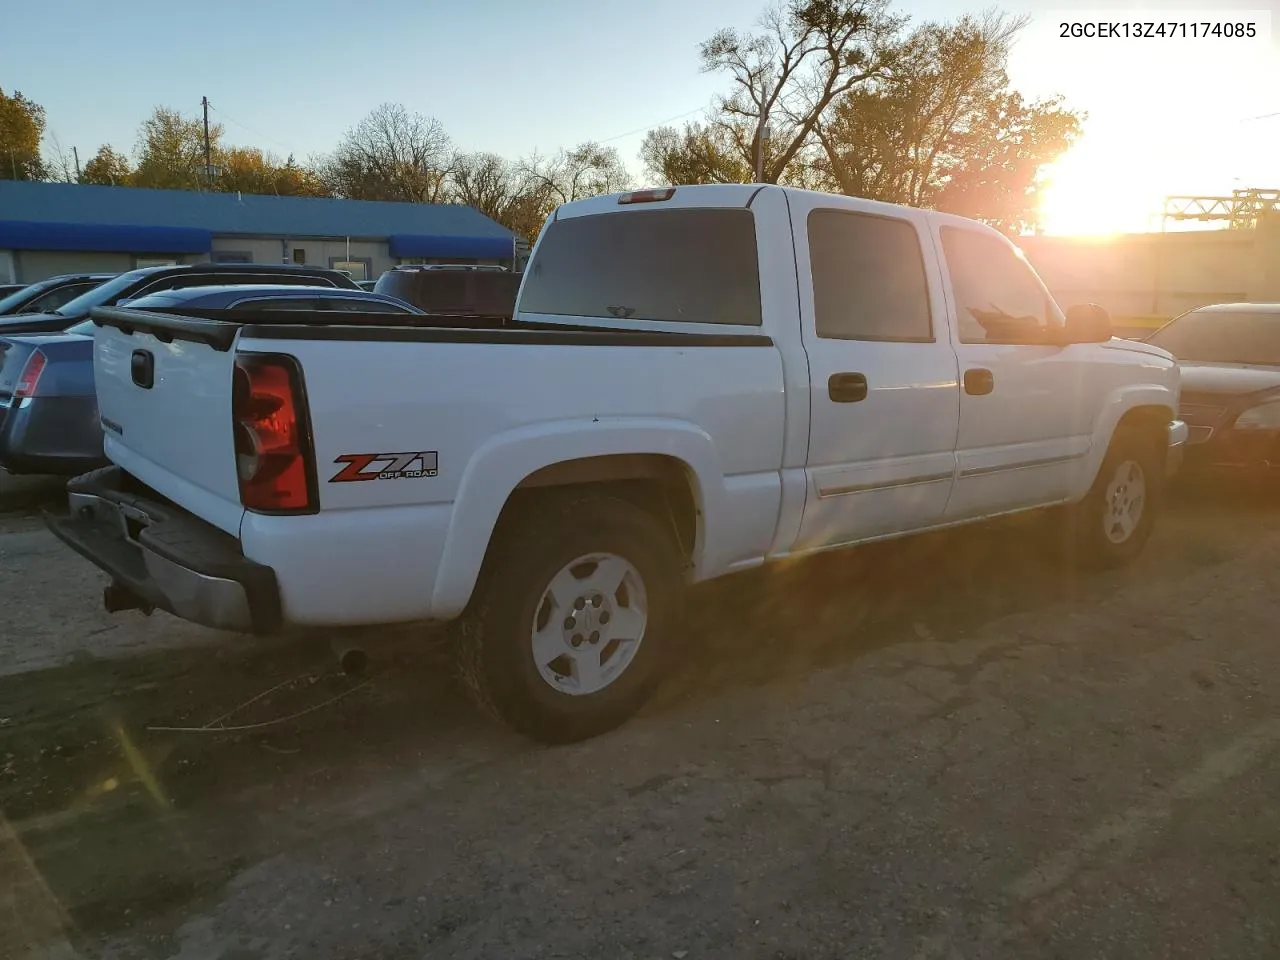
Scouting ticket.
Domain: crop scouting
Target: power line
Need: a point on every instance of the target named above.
(1265, 116)
(248, 129)
(648, 127)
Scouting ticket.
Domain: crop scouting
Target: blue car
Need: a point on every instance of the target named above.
(48, 407)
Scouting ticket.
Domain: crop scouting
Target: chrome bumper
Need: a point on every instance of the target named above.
(165, 558)
(1177, 450)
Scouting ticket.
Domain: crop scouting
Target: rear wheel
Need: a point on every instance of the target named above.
(1112, 524)
(569, 631)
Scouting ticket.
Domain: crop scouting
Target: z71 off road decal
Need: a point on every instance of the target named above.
(385, 466)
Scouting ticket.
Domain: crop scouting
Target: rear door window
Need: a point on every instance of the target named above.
(693, 265)
(868, 278)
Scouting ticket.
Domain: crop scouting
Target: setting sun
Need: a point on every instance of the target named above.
(1153, 127)
(1090, 192)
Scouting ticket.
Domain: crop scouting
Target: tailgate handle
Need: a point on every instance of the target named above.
(142, 365)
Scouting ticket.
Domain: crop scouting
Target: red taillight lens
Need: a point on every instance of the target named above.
(273, 443)
(30, 377)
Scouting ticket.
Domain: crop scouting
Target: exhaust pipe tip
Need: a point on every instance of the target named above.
(351, 659)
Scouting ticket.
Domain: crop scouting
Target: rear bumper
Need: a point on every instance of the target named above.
(1177, 449)
(167, 557)
(55, 435)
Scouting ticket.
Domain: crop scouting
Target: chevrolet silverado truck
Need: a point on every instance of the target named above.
(697, 381)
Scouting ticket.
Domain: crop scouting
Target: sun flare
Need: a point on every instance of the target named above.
(1091, 195)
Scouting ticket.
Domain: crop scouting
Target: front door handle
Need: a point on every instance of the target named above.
(978, 381)
(847, 387)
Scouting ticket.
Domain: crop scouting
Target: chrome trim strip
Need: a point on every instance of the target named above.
(824, 492)
(1021, 465)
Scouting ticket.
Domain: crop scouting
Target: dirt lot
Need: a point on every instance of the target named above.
(954, 748)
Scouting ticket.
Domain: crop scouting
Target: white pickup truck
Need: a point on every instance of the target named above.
(698, 380)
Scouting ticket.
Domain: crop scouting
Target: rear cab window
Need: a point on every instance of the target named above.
(682, 265)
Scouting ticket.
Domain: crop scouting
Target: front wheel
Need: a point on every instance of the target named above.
(569, 631)
(1114, 521)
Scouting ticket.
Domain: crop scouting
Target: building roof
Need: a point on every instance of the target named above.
(53, 215)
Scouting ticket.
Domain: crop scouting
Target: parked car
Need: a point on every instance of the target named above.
(460, 290)
(698, 380)
(137, 283)
(367, 284)
(48, 406)
(45, 296)
(1229, 354)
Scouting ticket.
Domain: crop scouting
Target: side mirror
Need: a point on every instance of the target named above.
(1087, 323)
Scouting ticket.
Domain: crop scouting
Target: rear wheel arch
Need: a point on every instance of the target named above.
(664, 485)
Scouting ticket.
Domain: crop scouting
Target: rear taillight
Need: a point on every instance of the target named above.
(272, 435)
(30, 377)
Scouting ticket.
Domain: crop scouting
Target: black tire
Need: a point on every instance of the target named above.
(1090, 519)
(495, 658)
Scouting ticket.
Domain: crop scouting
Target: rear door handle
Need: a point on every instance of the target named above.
(847, 387)
(979, 381)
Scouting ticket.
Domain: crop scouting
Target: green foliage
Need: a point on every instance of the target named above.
(22, 123)
(108, 168)
(171, 152)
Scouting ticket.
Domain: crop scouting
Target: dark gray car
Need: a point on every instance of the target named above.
(48, 407)
(137, 283)
(45, 296)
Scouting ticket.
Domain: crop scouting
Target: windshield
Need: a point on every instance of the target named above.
(1209, 336)
(85, 327)
(15, 298)
(98, 296)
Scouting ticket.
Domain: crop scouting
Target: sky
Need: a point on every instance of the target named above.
(1174, 116)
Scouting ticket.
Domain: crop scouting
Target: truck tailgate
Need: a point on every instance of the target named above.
(165, 405)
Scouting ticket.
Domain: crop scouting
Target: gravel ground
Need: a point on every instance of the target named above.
(948, 748)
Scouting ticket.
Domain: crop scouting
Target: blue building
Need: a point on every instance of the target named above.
(51, 228)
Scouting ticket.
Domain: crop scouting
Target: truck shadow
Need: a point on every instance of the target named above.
(115, 795)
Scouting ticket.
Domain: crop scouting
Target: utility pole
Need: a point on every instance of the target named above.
(76, 153)
(208, 157)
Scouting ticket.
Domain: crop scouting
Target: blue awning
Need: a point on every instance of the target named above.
(401, 245)
(102, 237)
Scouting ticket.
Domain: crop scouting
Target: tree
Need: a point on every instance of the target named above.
(59, 163)
(521, 195)
(486, 182)
(249, 170)
(587, 170)
(108, 168)
(296, 180)
(391, 155)
(942, 129)
(807, 55)
(701, 153)
(1005, 151)
(22, 123)
(171, 153)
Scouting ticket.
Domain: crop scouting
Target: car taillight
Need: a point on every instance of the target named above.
(30, 376)
(272, 435)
